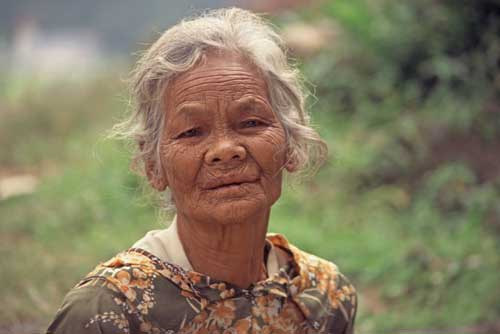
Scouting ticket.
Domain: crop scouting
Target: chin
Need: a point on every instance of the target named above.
(232, 211)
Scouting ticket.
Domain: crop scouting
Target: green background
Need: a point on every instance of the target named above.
(408, 204)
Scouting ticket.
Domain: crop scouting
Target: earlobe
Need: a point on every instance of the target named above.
(291, 165)
(156, 178)
(159, 183)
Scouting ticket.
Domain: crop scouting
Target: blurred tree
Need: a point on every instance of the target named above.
(428, 74)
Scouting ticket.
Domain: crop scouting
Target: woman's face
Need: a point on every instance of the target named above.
(223, 148)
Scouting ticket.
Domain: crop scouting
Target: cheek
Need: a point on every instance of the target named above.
(269, 151)
(180, 165)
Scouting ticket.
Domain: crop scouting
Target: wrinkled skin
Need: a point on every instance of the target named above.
(222, 154)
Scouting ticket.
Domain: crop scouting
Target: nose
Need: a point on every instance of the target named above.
(225, 151)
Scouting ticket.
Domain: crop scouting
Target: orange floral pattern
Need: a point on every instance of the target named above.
(136, 292)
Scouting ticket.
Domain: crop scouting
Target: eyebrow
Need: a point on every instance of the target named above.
(188, 107)
(250, 101)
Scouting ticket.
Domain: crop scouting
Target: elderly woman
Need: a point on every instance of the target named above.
(219, 116)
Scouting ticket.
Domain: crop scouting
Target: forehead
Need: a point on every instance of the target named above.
(219, 75)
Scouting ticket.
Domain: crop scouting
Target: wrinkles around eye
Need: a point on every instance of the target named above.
(194, 132)
(252, 123)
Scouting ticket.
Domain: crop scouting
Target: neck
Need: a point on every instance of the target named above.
(232, 252)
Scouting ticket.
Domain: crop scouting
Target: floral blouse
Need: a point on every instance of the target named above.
(136, 292)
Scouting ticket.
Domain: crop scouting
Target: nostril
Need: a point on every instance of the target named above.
(225, 152)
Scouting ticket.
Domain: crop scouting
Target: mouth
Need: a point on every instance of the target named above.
(230, 185)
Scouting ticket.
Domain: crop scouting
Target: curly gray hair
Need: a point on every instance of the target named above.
(180, 48)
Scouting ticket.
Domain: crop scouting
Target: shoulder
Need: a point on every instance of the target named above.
(310, 265)
(134, 289)
(105, 300)
(91, 309)
(324, 294)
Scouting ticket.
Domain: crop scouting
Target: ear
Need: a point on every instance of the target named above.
(156, 178)
(291, 164)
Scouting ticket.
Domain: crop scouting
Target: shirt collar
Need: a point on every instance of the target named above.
(295, 280)
(166, 245)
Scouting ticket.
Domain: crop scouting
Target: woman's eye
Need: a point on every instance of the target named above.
(190, 133)
(251, 123)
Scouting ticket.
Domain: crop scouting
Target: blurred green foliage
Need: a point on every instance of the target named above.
(408, 205)
(416, 85)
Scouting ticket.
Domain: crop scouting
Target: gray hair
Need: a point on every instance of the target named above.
(181, 47)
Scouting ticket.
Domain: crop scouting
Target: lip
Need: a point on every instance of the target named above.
(234, 190)
(230, 184)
